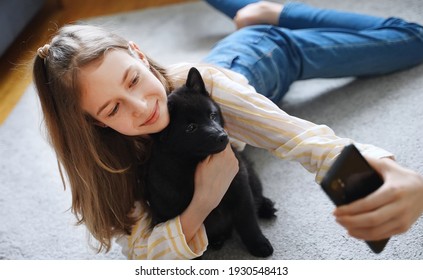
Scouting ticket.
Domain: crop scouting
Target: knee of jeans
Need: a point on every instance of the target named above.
(408, 27)
(414, 39)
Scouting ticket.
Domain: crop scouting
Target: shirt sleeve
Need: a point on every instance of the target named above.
(164, 241)
(254, 119)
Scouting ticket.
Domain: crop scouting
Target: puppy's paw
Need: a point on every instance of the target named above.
(217, 243)
(261, 248)
(266, 209)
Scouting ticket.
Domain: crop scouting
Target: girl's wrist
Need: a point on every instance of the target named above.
(193, 217)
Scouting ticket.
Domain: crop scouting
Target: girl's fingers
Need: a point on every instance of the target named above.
(383, 231)
(373, 201)
(376, 199)
(366, 219)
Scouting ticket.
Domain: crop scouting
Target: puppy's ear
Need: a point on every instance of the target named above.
(195, 81)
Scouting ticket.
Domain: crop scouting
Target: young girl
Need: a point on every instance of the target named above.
(101, 97)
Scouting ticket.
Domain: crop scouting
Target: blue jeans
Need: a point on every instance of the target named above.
(230, 7)
(317, 43)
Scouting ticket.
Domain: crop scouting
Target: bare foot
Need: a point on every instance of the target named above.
(262, 12)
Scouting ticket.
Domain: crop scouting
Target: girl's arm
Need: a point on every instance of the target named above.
(251, 118)
(184, 237)
(212, 179)
(257, 121)
(164, 241)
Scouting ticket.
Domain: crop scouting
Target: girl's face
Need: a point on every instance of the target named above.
(122, 93)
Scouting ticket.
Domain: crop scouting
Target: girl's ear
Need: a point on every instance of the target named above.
(138, 53)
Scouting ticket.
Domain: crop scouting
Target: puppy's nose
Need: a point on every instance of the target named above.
(223, 138)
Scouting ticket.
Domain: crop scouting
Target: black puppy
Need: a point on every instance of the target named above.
(196, 131)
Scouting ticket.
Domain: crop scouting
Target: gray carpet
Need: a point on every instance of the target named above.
(35, 222)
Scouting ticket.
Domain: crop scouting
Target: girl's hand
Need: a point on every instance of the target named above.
(390, 210)
(213, 177)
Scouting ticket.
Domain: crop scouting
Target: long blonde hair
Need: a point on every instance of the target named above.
(102, 166)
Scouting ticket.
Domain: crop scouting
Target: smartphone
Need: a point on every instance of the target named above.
(350, 178)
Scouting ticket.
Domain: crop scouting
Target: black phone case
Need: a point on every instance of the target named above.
(351, 178)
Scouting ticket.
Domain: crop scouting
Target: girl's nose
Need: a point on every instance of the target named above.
(139, 107)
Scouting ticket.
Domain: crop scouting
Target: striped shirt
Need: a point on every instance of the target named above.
(252, 119)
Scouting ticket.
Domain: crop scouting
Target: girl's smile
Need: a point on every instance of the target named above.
(154, 115)
(121, 92)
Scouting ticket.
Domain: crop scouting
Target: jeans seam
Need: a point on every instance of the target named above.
(410, 38)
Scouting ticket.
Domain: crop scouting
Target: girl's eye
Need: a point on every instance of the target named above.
(213, 116)
(191, 128)
(135, 80)
(114, 111)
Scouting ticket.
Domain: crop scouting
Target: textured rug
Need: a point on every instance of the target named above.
(35, 221)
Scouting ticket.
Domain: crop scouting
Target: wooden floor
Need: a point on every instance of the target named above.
(15, 64)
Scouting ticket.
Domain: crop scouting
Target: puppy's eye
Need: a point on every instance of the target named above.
(213, 116)
(191, 128)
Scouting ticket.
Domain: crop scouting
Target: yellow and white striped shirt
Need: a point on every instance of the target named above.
(253, 119)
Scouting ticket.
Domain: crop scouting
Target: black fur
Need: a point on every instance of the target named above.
(196, 131)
